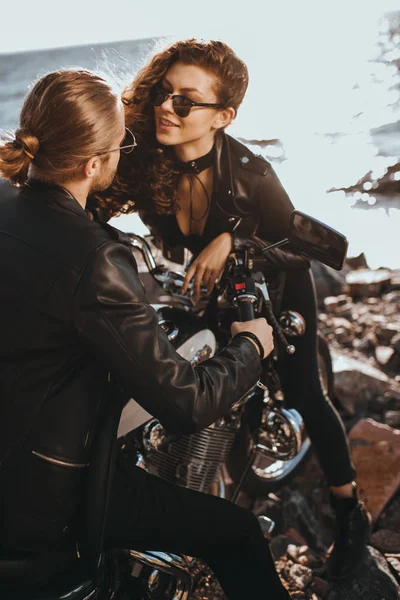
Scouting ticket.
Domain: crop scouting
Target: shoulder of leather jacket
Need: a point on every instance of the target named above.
(117, 235)
(256, 164)
(246, 159)
(6, 187)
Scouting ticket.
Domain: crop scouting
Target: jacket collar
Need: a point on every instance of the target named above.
(55, 194)
(223, 176)
(224, 183)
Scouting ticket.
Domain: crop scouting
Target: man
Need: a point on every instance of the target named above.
(74, 312)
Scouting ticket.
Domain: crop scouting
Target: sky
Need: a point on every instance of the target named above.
(312, 68)
(28, 25)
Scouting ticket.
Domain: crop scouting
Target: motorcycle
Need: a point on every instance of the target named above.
(257, 447)
(249, 452)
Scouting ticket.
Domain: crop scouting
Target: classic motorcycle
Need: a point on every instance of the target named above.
(258, 445)
(250, 451)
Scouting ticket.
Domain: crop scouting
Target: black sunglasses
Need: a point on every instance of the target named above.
(182, 105)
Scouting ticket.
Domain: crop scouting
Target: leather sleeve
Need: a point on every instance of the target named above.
(273, 208)
(115, 322)
(277, 258)
(269, 201)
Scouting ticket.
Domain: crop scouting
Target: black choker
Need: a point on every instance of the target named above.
(199, 164)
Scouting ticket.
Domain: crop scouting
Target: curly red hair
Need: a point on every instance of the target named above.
(147, 178)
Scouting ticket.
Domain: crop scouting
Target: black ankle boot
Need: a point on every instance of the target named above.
(353, 527)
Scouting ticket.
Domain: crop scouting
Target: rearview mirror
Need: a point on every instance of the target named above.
(316, 240)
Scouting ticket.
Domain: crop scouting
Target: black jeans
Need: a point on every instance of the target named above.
(148, 513)
(302, 387)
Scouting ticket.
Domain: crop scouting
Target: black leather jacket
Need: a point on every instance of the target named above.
(73, 310)
(248, 199)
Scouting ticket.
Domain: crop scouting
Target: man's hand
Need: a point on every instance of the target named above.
(209, 264)
(260, 328)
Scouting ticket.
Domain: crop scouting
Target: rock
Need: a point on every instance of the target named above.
(364, 344)
(373, 581)
(368, 282)
(345, 310)
(387, 331)
(396, 279)
(386, 541)
(376, 417)
(341, 322)
(392, 297)
(370, 339)
(331, 303)
(384, 354)
(395, 343)
(311, 483)
(379, 404)
(303, 555)
(328, 282)
(279, 544)
(394, 395)
(390, 517)
(392, 418)
(343, 299)
(300, 518)
(390, 309)
(343, 336)
(320, 587)
(296, 537)
(376, 455)
(340, 306)
(357, 382)
(357, 262)
(299, 576)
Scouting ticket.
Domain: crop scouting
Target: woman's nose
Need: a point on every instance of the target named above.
(167, 104)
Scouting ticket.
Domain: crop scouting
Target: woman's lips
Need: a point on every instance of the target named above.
(166, 124)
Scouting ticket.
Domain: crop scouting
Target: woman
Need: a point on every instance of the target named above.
(198, 188)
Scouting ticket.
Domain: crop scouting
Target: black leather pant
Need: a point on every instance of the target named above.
(302, 387)
(148, 513)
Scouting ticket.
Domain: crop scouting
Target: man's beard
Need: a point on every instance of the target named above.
(103, 180)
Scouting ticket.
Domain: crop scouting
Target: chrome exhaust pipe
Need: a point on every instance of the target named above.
(178, 567)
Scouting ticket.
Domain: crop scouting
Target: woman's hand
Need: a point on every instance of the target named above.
(209, 264)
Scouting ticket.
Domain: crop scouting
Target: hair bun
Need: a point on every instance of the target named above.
(29, 143)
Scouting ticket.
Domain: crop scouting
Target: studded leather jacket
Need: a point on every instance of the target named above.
(248, 199)
(74, 311)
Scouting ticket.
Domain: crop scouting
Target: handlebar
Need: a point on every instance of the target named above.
(243, 287)
(140, 243)
(245, 298)
(246, 311)
(170, 281)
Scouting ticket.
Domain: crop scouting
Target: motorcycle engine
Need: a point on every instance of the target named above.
(193, 461)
